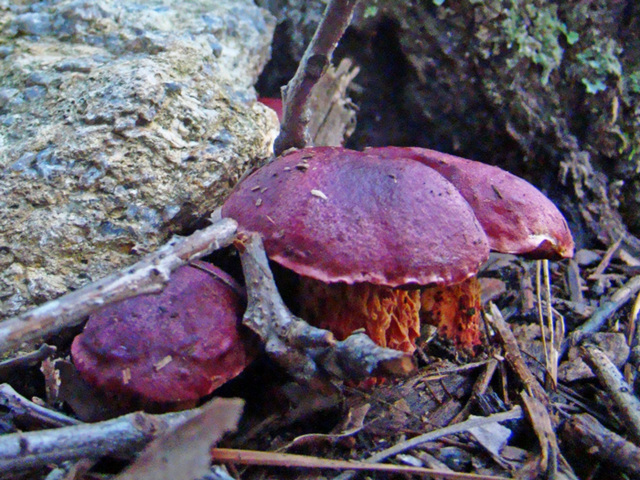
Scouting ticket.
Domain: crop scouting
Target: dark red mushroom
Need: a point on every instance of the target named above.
(274, 104)
(364, 234)
(172, 347)
(514, 214)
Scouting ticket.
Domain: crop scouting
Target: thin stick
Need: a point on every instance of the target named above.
(514, 356)
(23, 408)
(513, 414)
(613, 381)
(603, 313)
(126, 434)
(148, 275)
(552, 368)
(27, 360)
(604, 263)
(541, 423)
(271, 459)
(316, 59)
(633, 318)
(479, 388)
(543, 335)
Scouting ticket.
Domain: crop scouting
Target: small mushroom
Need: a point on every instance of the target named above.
(364, 234)
(172, 347)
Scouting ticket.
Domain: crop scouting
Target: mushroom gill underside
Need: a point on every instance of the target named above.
(391, 317)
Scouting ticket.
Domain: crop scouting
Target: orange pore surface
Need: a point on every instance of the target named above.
(391, 317)
(455, 311)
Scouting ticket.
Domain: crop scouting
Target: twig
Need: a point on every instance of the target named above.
(604, 263)
(25, 409)
(513, 414)
(316, 59)
(593, 443)
(306, 352)
(148, 275)
(126, 434)
(334, 116)
(541, 315)
(551, 348)
(632, 331)
(603, 313)
(541, 423)
(252, 457)
(25, 361)
(613, 381)
(479, 388)
(574, 282)
(514, 356)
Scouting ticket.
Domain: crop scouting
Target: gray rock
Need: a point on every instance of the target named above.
(121, 123)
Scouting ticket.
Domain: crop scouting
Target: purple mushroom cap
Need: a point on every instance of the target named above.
(337, 215)
(177, 345)
(514, 214)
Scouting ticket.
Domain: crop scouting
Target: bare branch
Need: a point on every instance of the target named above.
(127, 434)
(316, 59)
(306, 352)
(619, 390)
(593, 443)
(24, 409)
(148, 275)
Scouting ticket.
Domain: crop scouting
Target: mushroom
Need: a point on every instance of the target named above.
(274, 104)
(363, 234)
(515, 215)
(172, 347)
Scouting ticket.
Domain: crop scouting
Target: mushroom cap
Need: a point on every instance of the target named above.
(176, 345)
(274, 104)
(515, 215)
(338, 215)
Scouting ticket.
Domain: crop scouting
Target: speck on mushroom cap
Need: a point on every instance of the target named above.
(515, 215)
(338, 215)
(177, 345)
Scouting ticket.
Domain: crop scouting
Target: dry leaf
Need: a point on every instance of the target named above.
(184, 451)
(492, 437)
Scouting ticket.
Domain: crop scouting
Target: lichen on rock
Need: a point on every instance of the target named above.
(121, 123)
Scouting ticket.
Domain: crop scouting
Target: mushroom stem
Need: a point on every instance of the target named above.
(455, 310)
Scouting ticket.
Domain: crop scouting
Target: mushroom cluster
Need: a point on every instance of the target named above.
(172, 347)
(389, 237)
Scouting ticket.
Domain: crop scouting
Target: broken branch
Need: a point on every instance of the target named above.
(307, 353)
(587, 437)
(613, 381)
(147, 276)
(126, 434)
(316, 59)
